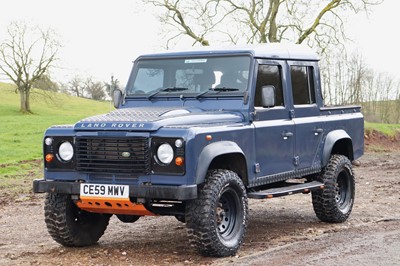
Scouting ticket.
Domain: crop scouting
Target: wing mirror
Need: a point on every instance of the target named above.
(117, 98)
(268, 96)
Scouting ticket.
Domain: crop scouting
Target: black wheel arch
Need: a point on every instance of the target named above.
(222, 155)
(337, 142)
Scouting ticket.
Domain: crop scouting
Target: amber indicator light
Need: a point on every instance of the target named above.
(49, 157)
(179, 161)
(208, 137)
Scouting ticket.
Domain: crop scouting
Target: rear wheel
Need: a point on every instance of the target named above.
(335, 202)
(70, 226)
(217, 220)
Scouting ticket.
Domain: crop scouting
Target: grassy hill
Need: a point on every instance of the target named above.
(21, 134)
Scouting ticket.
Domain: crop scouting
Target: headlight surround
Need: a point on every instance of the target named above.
(165, 153)
(168, 156)
(60, 155)
(66, 151)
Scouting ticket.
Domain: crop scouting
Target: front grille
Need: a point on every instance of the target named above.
(113, 155)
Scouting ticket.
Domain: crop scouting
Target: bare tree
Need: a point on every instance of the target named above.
(110, 87)
(95, 89)
(45, 83)
(76, 87)
(319, 23)
(358, 76)
(86, 88)
(397, 105)
(25, 56)
(387, 87)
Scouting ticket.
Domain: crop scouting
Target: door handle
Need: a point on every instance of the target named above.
(287, 135)
(317, 131)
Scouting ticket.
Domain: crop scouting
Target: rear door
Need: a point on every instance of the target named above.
(306, 114)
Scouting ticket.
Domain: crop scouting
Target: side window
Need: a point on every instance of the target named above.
(269, 75)
(302, 84)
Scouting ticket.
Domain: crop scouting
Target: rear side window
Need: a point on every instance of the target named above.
(302, 84)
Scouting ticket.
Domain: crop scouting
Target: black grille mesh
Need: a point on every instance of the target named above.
(113, 155)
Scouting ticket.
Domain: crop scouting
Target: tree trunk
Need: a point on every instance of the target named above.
(24, 101)
(28, 100)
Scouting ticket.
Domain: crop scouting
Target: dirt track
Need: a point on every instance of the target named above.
(282, 231)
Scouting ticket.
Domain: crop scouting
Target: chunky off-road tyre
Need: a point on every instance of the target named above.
(181, 218)
(335, 202)
(217, 219)
(70, 226)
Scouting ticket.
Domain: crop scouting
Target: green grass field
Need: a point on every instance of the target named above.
(387, 129)
(21, 134)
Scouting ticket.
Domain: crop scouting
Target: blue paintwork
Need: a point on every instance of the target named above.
(276, 143)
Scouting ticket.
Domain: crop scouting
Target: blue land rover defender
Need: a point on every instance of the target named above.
(194, 135)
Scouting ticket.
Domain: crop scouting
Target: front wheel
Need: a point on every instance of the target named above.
(335, 202)
(217, 219)
(70, 226)
(127, 218)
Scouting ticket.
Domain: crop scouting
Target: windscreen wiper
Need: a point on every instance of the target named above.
(225, 89)
(215, 90)
(168, 89)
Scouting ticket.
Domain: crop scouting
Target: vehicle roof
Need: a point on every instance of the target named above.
(268, 50)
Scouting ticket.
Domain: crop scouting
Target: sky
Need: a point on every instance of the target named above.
(101, 38)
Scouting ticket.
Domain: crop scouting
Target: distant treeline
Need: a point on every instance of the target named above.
(349, 80)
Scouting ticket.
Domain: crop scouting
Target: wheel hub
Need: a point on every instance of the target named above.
(220, 214)
(225, 213)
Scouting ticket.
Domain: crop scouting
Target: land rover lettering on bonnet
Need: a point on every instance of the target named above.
(194, 135)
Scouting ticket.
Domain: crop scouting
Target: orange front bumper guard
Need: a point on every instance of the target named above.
(112, 206)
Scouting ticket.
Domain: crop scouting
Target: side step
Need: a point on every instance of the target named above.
(287, 190)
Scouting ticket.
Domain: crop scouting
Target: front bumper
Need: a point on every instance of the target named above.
(183, 192)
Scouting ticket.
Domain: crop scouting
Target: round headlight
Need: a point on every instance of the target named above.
(66, 151)
(165, 153)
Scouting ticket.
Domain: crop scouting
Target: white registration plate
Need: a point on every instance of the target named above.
(104, 191)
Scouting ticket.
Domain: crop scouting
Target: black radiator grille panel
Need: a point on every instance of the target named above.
(113, 155)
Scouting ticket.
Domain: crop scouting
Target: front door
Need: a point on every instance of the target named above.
(274, 128)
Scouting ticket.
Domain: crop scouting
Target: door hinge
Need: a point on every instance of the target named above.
(296, 160)
(291, 114)
(257, 168)
(253, 116)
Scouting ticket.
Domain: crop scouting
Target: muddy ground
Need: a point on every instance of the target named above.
(282, 231)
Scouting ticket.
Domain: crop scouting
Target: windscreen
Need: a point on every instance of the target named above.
(189, 76)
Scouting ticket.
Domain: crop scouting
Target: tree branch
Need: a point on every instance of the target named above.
(331, 5)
